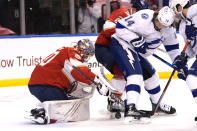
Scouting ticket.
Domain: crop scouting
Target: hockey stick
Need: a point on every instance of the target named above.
(169, 80)
(162, 50)
(116, 98)
(164, 61)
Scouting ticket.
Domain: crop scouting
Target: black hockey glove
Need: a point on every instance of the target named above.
(182, 74)
(142, 48)
(180, 64)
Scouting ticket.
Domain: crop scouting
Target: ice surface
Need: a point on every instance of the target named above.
(15, 101)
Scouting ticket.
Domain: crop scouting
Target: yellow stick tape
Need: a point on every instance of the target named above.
(24, 82)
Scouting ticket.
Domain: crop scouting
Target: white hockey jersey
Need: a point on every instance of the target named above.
(192, 15)
(140, 25)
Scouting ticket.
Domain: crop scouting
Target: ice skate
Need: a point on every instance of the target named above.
(195, 119)
(115, 108)
(38, 116)
(134, 116)
(164, 109)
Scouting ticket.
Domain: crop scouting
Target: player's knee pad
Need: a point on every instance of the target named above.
(133, 88)
(152, 86)
(152, 82)
(135, 80)
(191, 79)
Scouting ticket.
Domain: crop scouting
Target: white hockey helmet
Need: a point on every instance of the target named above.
(86, 48)
(174, 3)
(166, 16)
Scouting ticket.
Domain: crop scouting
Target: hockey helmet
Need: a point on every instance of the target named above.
(86, 48)
(140, 5)
(173, 4)
(166, 16)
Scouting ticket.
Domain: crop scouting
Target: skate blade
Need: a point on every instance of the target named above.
(164, 114)
(132, 120)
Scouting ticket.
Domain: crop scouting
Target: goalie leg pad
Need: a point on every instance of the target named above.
(68, 110)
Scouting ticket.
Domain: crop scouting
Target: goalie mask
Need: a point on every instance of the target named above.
(86, 49)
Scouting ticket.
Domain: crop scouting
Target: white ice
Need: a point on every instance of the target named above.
(15, 101)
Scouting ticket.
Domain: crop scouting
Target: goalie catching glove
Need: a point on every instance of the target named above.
(101, 87)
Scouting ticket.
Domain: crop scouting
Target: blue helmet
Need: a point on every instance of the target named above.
(140, 5)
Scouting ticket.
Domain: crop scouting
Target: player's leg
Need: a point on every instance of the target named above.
(106, 58)
(47, 92)
(128, 62)
(152, 86)
(191, 80)
(61, 111)
(44, 93)
(68, 110)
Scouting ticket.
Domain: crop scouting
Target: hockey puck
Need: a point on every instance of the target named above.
(195, 118)
(117, 115)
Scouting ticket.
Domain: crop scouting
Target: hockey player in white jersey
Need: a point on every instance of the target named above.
(188, 29)
(138, 36)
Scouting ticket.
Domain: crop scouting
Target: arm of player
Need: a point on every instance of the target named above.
(128, 35)
(83, 74)
(82, 68)
(171, 43)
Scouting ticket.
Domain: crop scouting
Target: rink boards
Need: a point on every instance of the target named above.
(19, 56)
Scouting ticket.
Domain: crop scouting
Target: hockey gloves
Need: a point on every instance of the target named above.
(190, 30)
(101, 87)
(180, 64)
(142, 48)
(182, 74)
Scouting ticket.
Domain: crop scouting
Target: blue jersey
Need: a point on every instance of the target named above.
(133, 30)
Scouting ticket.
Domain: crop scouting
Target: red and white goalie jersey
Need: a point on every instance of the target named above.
(56, 69)
(104, 37)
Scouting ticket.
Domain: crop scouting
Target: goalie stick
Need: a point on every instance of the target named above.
(169, 80)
